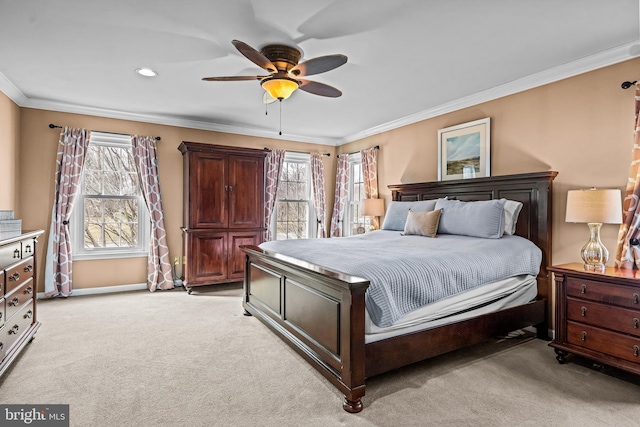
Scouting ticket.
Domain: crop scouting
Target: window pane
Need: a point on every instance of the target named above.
(92, 210)
(93, 236)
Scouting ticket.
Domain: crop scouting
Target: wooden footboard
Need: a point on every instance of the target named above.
(318, 312)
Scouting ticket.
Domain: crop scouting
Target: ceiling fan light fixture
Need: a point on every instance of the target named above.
(279, 87)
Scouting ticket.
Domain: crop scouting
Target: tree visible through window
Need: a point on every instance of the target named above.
(294, 207)
(110, 213)
(357, 223)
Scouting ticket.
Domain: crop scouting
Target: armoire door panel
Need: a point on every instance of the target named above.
(208, 191)
(236, 256)
(246, 194)
(207, 260)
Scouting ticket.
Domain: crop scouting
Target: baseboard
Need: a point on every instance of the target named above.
(102, 290)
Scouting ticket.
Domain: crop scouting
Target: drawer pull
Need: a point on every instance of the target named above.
(583, 310)
(27, 249)
(16, 253)
(584, 336)
(14, 330)
(583, 289)
(14, 277)
(14, 302)
(635, 323)
(28, 314)
(1, 346)
(29, 290)
(636, 297)
(636, 350)
(28, 268)
(0, 315)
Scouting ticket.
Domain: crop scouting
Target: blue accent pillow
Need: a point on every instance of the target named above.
(477, 219)
(397, 212)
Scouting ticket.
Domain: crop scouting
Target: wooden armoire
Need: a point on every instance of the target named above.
(223, 209)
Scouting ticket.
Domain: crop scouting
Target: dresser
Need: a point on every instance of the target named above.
(598, 315)
(18, 322)
(223, 210)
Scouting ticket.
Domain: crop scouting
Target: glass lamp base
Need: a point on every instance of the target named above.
(594, 254)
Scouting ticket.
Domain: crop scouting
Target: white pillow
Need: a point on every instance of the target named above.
(511, 211)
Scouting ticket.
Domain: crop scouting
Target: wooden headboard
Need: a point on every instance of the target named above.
(534, 190)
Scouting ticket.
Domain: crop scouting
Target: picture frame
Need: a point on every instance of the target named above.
(464, 150)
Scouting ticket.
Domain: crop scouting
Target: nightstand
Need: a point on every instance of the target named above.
(598, 315)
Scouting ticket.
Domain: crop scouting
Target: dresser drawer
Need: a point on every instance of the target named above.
(16, 326)
(16, 299)
(18, 274)
(10, 254)
(624, 296)
(604, 316)
(603, 341)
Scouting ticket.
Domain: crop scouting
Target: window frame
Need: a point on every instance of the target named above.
(347, 226)
(76, 228)
(312, 223)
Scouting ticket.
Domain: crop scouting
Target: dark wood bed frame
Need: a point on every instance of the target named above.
(320, 313)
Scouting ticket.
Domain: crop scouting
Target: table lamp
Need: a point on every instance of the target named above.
(372, 207)
(594, 207)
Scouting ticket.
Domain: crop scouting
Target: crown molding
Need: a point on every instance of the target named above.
(583, 65)
(589, 63)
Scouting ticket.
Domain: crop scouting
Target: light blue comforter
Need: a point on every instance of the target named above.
(408, 272)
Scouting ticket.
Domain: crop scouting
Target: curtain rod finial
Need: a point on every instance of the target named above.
(628, 84)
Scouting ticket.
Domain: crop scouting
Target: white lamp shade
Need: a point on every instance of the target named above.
(373, 207)
(594, 206)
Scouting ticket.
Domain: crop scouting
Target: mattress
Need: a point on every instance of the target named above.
(492, 297)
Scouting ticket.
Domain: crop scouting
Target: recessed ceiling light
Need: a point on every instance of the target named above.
(147, 72)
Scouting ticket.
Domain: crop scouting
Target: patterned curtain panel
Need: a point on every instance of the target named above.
(317, 177)
(342, 192)
(159, 275)
(274, 161)
(72, 149)
(628, 255)
(370, 177)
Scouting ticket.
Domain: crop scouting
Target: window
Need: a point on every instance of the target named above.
(110, 218)
(295, 215)
(356, 223)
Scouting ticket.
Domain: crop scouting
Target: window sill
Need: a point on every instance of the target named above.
(109, 255)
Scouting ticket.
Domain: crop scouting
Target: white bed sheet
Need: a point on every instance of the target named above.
(488, 298)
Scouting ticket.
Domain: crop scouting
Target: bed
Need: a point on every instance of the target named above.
(321, 314)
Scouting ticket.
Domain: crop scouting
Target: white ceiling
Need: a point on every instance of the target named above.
(408, 59)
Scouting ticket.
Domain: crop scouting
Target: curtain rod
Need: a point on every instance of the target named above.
(377, 147)
(301, 152)
(52, 126)
(628, 84)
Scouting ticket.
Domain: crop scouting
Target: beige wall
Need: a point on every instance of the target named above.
(38, 158)
(581, 127)
(9, 139)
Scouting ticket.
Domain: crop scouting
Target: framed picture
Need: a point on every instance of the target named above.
(464, 151)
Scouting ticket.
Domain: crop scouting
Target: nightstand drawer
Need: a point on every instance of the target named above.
(603, 341)
(624, 296)
(604, 316)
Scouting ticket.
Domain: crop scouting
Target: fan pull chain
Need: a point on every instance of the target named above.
(280, 133)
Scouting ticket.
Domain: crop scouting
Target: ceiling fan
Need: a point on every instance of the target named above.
(281, 62)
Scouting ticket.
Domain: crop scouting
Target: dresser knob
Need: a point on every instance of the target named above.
(29, 290)
(14, 302)
(14, 277)
(14, 330)
(583, 310)
(636, 350)
(28, 314)
(1, 346)
(583, 289)
(584, 336)
(28, 268)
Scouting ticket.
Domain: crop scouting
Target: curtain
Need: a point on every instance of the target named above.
(370, 177)
(342, 192)
(274, 161)
(317, 177)
(627, 255)
(159, 275)
(72, 150)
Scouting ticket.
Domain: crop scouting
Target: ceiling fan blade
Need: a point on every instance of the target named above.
(232, 78)
(254, 56)
(318, 65)
(319, 89)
